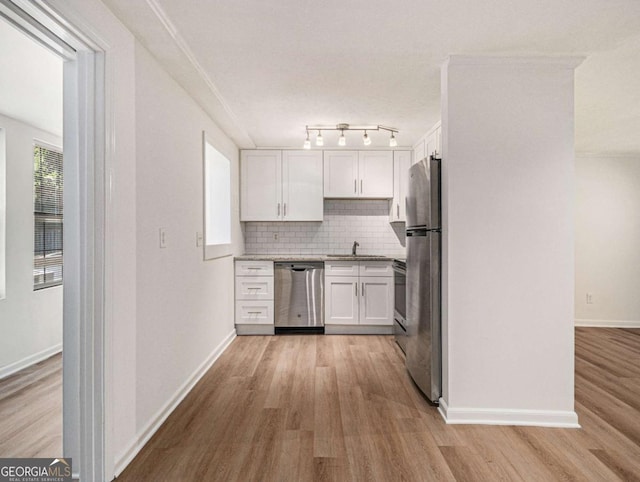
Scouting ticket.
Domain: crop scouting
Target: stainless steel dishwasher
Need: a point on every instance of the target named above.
(299, 297)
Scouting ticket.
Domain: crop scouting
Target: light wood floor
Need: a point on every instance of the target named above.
(342, 408)
(31, 411)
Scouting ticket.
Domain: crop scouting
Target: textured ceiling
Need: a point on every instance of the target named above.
(29, 91)
(265, 69)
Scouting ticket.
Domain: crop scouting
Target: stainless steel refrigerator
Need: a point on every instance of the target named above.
(424, 350)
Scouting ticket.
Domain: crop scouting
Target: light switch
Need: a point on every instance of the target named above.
(163, 237)
(199, 239)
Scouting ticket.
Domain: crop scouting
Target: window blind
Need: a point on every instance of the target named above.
(48, 183)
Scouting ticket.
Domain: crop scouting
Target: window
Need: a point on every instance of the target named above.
(47, 213)
(217, 205)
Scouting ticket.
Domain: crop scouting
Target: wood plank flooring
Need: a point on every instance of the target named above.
(342, 408)
(31, 411)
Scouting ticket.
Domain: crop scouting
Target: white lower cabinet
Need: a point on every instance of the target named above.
(358, 301)
(341, 300)
(254, 298)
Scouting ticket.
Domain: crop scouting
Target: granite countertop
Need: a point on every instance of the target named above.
(311, 257)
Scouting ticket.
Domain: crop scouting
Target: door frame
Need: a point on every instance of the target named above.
(86, 225)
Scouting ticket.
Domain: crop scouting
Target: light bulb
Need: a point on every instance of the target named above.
(307, 142)
(342, 141)
(366, 139)
(393, 142)
(319, 141)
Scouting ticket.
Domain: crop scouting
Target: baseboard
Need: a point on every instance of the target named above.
(483, 416)
(358, 329)
(608, 323)
(29, 360)
(254, 329)
(156, 421)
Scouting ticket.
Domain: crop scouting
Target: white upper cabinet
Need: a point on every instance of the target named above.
(302, 193)
(261, 186)
(419, 151)
(341, 174)
(430, 144)
(358, 174)
(376, 174)
(401, 165)
(281, 185)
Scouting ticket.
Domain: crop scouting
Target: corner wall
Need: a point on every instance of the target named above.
(508, 270)
(607, 237)
(30, 321)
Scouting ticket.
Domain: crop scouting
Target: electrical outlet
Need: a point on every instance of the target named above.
(589, 298)
(275, 236)
(163, 237)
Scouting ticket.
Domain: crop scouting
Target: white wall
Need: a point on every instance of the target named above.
(184, 304)
(508, 272)
(30, 321)
(607, 240)
(167, 310)
(345, 221)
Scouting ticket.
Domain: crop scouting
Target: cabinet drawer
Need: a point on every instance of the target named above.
(341, 268)
(254, 268)
(254, 287)
(376, 268)
(254, 312)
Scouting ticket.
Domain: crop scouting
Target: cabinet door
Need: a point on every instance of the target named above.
(401, 165)
(302, 191)
(341, 174)
(430, 144)
(376, 301)
(341, 300)
(261, 186)
(376, 174)
(419, 152)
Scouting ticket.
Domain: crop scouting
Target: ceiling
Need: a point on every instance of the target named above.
(30, 91)
(266, 69)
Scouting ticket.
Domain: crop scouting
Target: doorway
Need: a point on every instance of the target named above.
(83, 337)
(32, 180)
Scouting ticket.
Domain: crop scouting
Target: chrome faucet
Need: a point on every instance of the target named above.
(354, 248)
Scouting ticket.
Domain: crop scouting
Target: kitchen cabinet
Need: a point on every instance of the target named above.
(430, 144)
(358, 174)
(281, 185)
(362, 300)
(401, 165)
(254, 302)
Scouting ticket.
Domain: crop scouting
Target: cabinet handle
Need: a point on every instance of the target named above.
(356, 286)
(398, 210)
(355, 186)
(360, 186)
(363, 290)
(278, 209)
(285, 210)
(254, 312)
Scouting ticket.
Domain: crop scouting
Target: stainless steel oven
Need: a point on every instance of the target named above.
(400, 302)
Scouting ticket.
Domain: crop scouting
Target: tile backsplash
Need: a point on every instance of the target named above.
(345, 221)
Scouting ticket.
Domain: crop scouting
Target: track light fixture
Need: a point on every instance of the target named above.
(342, 141)
(307, 142)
